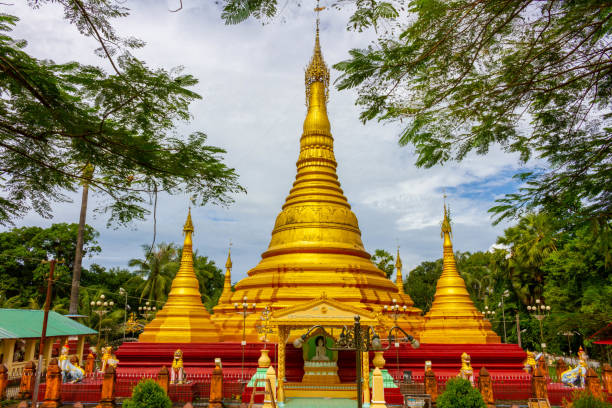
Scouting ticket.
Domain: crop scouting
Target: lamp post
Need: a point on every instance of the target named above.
(147, 310)
(353, 339)
(124, 292)
(264, 327)
(540, 311)
(102, 307)
(244, 312)
(488, 313)
(395, 311)
(504, 295)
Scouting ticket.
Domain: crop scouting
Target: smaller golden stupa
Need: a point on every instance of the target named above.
(453, 319)
(183, 319)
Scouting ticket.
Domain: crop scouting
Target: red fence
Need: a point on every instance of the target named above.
(197, 386)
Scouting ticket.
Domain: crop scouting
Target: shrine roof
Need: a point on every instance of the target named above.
(323, 311)
(25, 323)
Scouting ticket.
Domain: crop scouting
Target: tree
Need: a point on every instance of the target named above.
(460, 393)
(58, 119)
(421, 282)
(159, 268)
(23, 276)
(384, 261)
(531, 241)
(531, 76)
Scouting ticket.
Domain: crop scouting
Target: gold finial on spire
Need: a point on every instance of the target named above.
(317, 70)
(399, 281)
(228, 263)
(446, 226)
(226, 294)
(188, 227)
(398, 261)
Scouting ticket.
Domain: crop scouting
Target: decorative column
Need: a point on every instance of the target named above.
(47, 351)
(54, 386)
(270, 388)
(30, 349)
(8, 350)
(431, 385)
(538, 383)
(365, 370)
(107, 397)
(216, 386)
(607, 377)
(26, 386)
(283, 335)
(378, 390)
(3, 381)
(80, 347)
(163, 379)
(486, 387)
(593, 385)
(90, 365)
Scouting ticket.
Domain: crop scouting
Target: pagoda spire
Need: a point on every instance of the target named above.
(399, 282)
(227, 284)
(453, 318)
(184, 317)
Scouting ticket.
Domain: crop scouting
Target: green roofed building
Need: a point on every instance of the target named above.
(20, 331)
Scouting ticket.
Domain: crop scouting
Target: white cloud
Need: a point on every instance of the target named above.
(251, 80)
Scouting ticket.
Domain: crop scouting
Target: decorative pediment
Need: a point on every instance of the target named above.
(324, 312)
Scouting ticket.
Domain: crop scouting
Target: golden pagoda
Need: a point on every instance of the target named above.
(399, 282)
(316, 245)
(453, 318)
(183, 319)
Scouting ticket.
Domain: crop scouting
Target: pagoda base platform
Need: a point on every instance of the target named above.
(199, 358)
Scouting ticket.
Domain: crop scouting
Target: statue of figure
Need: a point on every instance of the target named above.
(531, 361)
(320, 351)
(108, 358)
(466, 371)
(576, 377)
(177, 375)
(71, 372)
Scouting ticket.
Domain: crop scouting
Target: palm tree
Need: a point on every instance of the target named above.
(531, 241)
(158, 268)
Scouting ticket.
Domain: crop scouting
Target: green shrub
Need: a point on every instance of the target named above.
(148, 394)
(459, 393)
(584, 399)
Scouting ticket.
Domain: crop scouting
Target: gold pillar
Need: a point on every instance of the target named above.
(283, 335)
(80, 349)
(8, 350)
(365, 370)
(47, 351)
(30, 348)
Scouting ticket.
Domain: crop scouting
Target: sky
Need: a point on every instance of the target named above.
(252, 83)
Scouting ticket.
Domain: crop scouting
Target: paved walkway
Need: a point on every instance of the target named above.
(320, 403)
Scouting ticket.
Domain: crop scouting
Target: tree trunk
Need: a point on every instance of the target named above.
(78, 255)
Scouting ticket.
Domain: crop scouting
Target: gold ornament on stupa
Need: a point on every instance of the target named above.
(453, 318)
(183, 319)
(227, 283)
(316, 243)
(399, 282)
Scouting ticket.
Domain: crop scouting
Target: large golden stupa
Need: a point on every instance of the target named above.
(316, 243)
(316, 255)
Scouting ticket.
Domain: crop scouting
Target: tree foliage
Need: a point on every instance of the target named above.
(384, 261)
(148, 394)
(57, 118)
(22, 273)
(460, 393)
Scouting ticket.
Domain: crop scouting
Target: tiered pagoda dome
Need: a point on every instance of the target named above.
(316, 245)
